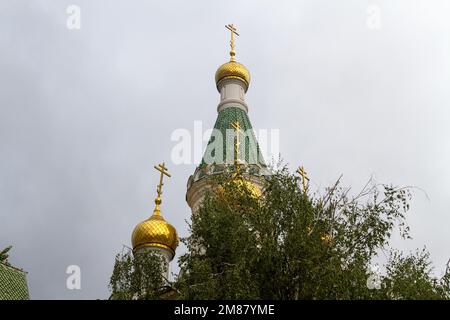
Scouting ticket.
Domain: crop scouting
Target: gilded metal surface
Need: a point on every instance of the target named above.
(237, 127)
(241, 183)
(233, 70)
(233, 30)
(155, 232)
(305, 180)
(250, 186)
(163, 171)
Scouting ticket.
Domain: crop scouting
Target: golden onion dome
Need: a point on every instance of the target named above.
(233, 70)
(241, 183)
(155, 232)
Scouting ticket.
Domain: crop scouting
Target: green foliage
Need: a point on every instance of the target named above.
(137, 276)
(288, 244)
(4, 255)
(409, 277)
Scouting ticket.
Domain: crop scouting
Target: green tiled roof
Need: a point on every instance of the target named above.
(13, 283)
(249, 151)
(250, 157)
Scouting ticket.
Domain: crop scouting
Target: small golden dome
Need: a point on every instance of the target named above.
(233, 70)
(155, 232)
(241, 183)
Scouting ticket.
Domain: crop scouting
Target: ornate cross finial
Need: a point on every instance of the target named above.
(305, 180)
(237, 127)
(233, 31)
(163, 170)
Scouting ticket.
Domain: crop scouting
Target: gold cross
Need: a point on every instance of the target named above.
(237, 127)
(161, 168)
(303, 174)
(233, 31)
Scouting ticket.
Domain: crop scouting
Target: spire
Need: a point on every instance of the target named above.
(232, 81)
(163, 172)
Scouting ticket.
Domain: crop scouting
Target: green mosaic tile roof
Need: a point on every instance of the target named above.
(250, 152)
(13, 284)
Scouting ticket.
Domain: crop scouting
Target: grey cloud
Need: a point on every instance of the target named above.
(84, 115)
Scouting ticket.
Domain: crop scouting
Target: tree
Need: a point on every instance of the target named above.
(409, 277)
(138, 277)
(288, 244)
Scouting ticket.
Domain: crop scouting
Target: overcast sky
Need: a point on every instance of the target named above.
(85, 114)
